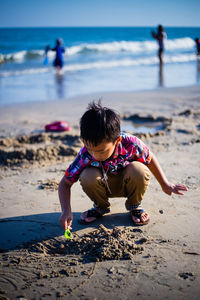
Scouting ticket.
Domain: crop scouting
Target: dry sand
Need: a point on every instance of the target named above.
(110, 259)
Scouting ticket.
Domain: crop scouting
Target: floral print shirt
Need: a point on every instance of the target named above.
(129, 149)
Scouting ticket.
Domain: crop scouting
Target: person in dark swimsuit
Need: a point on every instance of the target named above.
(197, 41)
(159, 36)
(59, 49)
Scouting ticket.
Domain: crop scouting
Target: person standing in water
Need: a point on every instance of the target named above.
(59, 49)
(160, 36)
(197, 42)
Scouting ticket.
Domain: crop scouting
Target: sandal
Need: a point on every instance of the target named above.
(93, 212)
(138, 213)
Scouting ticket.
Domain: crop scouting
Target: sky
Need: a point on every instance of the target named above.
(60, 13)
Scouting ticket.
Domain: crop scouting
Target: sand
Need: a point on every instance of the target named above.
(109, 259)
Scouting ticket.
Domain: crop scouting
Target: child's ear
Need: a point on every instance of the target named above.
(118, 140)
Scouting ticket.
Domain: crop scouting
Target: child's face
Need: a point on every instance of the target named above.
(102, 151)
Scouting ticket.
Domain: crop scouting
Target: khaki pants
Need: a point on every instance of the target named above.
(131, 182)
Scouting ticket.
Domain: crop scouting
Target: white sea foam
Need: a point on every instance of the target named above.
(133, 47)
(22, 55)
(184, 43)
(17, 56)
(181, 58)
(113, 47)
(129, 62)
(24, 72)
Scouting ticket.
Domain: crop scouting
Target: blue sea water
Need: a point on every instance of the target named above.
(96, 60)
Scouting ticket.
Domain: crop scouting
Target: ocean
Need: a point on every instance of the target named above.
(97, 60)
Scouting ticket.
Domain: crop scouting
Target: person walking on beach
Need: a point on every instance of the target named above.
(160, 36)
(110, 164)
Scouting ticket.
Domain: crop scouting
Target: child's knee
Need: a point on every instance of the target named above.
(90, 176)
(138, 172)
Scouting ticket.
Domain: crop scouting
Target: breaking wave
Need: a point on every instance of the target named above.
(113, 47)
(103, 64)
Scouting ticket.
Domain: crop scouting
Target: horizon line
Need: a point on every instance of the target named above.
(100, 26)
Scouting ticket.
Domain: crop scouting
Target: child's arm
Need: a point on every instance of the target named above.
(166, 186)
(64, 192)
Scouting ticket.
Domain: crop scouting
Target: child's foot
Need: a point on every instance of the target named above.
(139, 217)
(90, 216)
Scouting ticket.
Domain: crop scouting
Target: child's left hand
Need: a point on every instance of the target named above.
(170, 188)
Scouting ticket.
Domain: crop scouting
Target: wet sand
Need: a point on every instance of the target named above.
(109, 259)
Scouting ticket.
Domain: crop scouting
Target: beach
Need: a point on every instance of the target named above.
(156, 261)
(96, 59)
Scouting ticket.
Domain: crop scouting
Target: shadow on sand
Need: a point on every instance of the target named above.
(15, 232)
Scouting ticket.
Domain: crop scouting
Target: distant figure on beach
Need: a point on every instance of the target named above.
(160, 36)
(110, 164)
(197, 41)
(59, 49)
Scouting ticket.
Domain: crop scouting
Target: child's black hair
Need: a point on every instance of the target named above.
(99, 123)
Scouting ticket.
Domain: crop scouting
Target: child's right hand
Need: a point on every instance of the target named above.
(178, 189)
(66, 220)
